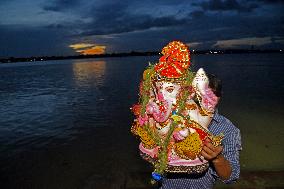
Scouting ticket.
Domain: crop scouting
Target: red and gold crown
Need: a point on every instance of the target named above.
(174, 62)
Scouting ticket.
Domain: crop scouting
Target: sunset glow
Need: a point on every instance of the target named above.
(81, 45)
(88, 48)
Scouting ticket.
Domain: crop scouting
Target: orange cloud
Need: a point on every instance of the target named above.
(93, 50)
(81, 45)
(88, 48)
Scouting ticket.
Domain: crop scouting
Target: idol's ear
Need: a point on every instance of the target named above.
(200, 82)
(206, 98)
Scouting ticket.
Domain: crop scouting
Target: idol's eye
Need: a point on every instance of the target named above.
(170, 89)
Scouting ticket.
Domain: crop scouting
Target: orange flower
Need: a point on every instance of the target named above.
(136, 109)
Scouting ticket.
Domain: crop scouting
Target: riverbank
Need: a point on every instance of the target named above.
(99, 161)
(248, 180)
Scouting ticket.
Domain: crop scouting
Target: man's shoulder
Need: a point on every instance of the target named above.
(223, 124)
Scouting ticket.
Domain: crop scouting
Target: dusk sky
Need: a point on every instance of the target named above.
(70, 27)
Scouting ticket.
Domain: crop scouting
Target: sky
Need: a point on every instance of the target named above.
(73, 27)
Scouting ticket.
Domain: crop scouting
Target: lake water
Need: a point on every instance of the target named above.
(64, 124)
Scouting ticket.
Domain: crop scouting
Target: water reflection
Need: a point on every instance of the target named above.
(89, 73)
(54, 102)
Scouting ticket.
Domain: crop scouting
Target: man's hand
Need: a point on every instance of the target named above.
(220, 163)
(210, 152)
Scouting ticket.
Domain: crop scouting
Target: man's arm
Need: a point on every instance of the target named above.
(221, 164)
(229, 155)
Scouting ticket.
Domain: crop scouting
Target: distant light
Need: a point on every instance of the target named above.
(41, 59)
(193, 50)
(215, 52)
(280, 50)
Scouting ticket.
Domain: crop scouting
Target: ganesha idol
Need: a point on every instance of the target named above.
(175, 108)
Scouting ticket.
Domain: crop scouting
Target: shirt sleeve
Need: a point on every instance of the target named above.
(231, 151)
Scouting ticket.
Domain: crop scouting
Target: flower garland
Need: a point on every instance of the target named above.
(145, 87)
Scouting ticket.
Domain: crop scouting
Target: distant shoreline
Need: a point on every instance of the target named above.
(133, 53)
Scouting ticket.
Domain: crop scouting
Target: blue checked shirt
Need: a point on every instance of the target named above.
(231, 148)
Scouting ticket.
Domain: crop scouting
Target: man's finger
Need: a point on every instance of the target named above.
(219, 149)
(205, 155)
(208, 150)
(209, 145)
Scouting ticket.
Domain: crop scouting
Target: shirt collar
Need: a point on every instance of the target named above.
(216, 116)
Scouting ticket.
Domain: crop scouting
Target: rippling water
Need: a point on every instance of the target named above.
(43, 101)
(55, 102)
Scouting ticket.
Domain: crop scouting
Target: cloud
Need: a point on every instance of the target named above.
(88, 48)
(194, 44)
(131, 24)
(278, 39)
(81, 45)
(116, 17)
(271, 1)
(228, 5)
(60, 5)
(3, 2)
(123, 19)
(23, 41)
(93, 50)
(49, 27)
(206, 31)
(196, 14)
(233, 43)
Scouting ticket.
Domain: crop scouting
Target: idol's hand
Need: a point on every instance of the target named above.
(210, 152)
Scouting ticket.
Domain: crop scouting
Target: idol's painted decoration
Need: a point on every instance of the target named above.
(175, 108)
